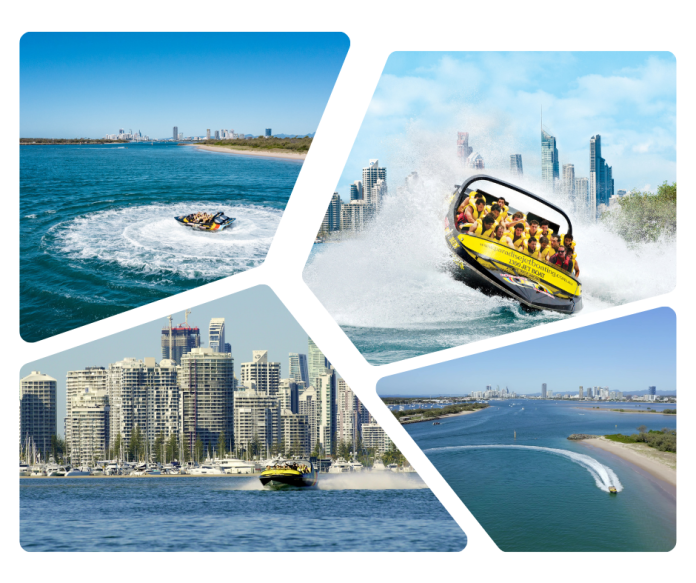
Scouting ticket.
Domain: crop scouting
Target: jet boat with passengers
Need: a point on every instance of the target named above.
(206, 221)
(495, 268)
(289, 473)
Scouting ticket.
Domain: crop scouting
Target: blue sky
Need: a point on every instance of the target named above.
(255, 319)
(91, 84)
(626, 354)
(424, 98)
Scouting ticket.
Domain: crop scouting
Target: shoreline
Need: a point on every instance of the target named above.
(623, 412)
(640, 455)
(444, 416)
(263, 154)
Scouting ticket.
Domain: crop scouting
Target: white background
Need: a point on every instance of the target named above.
(375, 30)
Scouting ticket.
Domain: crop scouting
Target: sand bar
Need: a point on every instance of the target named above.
(442, 416)
(660, 464)
(262, 153)
(624, 411)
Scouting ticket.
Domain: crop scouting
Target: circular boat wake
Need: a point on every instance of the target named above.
(148, 239)
(604, 476)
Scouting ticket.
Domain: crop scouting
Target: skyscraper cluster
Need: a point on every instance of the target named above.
(366, 197)
(195, 400)
(590, 196)
(466, 153)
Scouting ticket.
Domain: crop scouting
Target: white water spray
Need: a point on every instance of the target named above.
(604, 476)
(395, 274)
(148, 238)
(368, 480)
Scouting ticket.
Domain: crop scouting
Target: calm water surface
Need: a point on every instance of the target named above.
(98, 235)
(531, 498)
(233, 514)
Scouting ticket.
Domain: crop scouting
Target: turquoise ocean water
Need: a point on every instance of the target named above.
(345, 513)
(529, 497)
(98, 235)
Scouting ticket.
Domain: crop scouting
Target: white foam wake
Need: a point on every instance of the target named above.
(368, 480)
(147, 238)
(604, 476)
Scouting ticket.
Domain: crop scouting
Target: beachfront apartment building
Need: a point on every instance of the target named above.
(356, 190)
(308, 407)
(206, 398)
(289, 394)
(295, 429)
(332, 217)
(37, 411)
(89, 427)
(298, 367)
(265, 374)
(374, 437)
(371, 174)
(326, 411)
(256, 422)
(162, 399)
(77, 381)
(354, 216)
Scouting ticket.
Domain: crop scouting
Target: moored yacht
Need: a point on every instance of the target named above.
(340, 466)
(206, 469)
(356, 466)
(53, 470)
(82, 471)
(235, 466)
(378, 466)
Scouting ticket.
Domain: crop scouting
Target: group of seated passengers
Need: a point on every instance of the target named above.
(300, 468)
(200, 218)
(531, 238)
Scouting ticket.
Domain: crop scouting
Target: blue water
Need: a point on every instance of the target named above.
(531, 499)
(98, 235)
(233, 514)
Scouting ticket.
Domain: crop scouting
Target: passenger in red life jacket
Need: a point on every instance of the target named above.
(562, 260)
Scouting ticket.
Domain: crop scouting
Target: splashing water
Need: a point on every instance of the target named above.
(147, 238)
(604, 476)
(384, 480)
(391, 290)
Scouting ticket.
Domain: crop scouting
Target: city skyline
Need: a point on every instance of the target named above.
(626, 354)
(255, 320)
(628, 98)
(150, 81)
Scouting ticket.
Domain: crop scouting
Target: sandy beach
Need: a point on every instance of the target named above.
(660, 464)
(264, 154)
(623, 412)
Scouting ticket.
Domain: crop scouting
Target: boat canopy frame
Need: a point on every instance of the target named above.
(461, 192)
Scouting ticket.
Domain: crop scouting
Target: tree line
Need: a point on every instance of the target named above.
(663, 440)
(645, 216)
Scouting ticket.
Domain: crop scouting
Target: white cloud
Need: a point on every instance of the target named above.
(497, 100)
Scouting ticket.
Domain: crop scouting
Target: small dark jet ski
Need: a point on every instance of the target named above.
(494, 268)
(219, 222)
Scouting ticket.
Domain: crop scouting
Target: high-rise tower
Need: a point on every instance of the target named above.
(516, 165)
(549, 161)
(371, 174)
(177, 341)
(216, 334)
